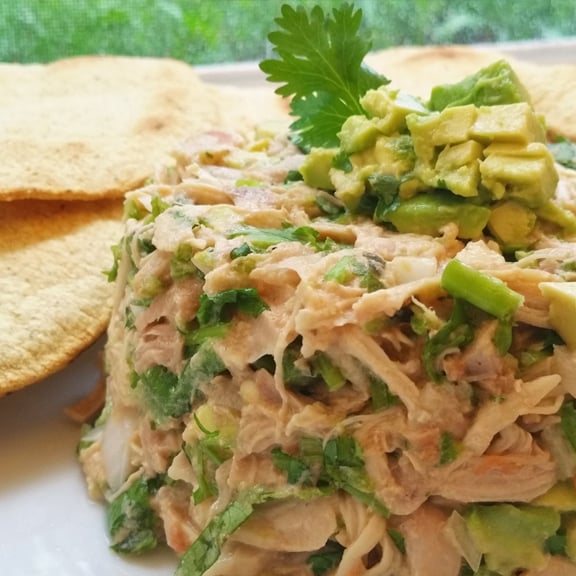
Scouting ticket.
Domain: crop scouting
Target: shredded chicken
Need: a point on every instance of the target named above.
(284, 385)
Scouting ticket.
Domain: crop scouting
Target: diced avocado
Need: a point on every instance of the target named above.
(357, 134)
(455, 124)
(390, 107)
(494, 84)
(561, 497)
(570, 527)
(395, 154)
(428, 213)
(558, 215)
(457, 168)
(316, 168)
(529, 176)
(511, 537)
(458, 155)
(562, 312)
(349, 187)
(515, 123)
(421, 128)
(512, 223)
(410, 185)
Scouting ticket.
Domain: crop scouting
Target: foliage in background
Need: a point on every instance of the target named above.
(211, 31)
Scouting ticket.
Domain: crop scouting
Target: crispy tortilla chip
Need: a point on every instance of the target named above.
(54, 297)
(94, 127)
(418, 69)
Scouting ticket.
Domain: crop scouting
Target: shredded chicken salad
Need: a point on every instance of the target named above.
(293, 390)
(349, 349)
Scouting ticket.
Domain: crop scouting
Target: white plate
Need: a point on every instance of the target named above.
(48, 525)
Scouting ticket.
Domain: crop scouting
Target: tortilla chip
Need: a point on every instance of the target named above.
(418, 69)
(94, 127)
(54, 298)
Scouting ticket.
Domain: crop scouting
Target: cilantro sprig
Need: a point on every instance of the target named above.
(320, 65)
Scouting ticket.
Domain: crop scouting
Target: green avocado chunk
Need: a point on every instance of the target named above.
(316, 168)
(494, 84)
(512, 537)
(561, 297)
(511, 223)
(561, 497)
(429, 212)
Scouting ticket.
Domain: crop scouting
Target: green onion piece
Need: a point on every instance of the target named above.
(485, 292)
(330, 373)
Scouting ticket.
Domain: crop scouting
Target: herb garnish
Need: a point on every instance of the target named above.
(320, 65)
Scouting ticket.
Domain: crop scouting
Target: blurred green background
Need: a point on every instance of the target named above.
(213, 31)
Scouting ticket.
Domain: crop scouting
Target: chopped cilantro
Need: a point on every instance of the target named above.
(296, 469)
(205, 550)
(145, 246)
(205, 456)
(131, 520)
(398, 539)
(448, 449)
(200, 369)
(456, 333)
(240, 251)
(342, 161)
(263, 238)
(328, 205)
(346, 269)
(556, 544)
(197, 336)
(220, 307)
(568, 422)
(350, 267)
(293, 176)
(338, 465)
(326, 558)
(162, 392)
(296, 371)
(564, 152)
(382, 398)
(344, 465)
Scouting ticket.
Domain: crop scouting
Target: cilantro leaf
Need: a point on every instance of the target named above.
(262, 238)
(448, 449)
(456, 333)
(162, 392)
(205, 550)
(382, 397)
(296, 469)
(564, 152)
(221, 306)
(568, 422)
(132, 523)
(205, 456)
(326, 558)
(344, 465)
(202, 367)
(320, 65)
